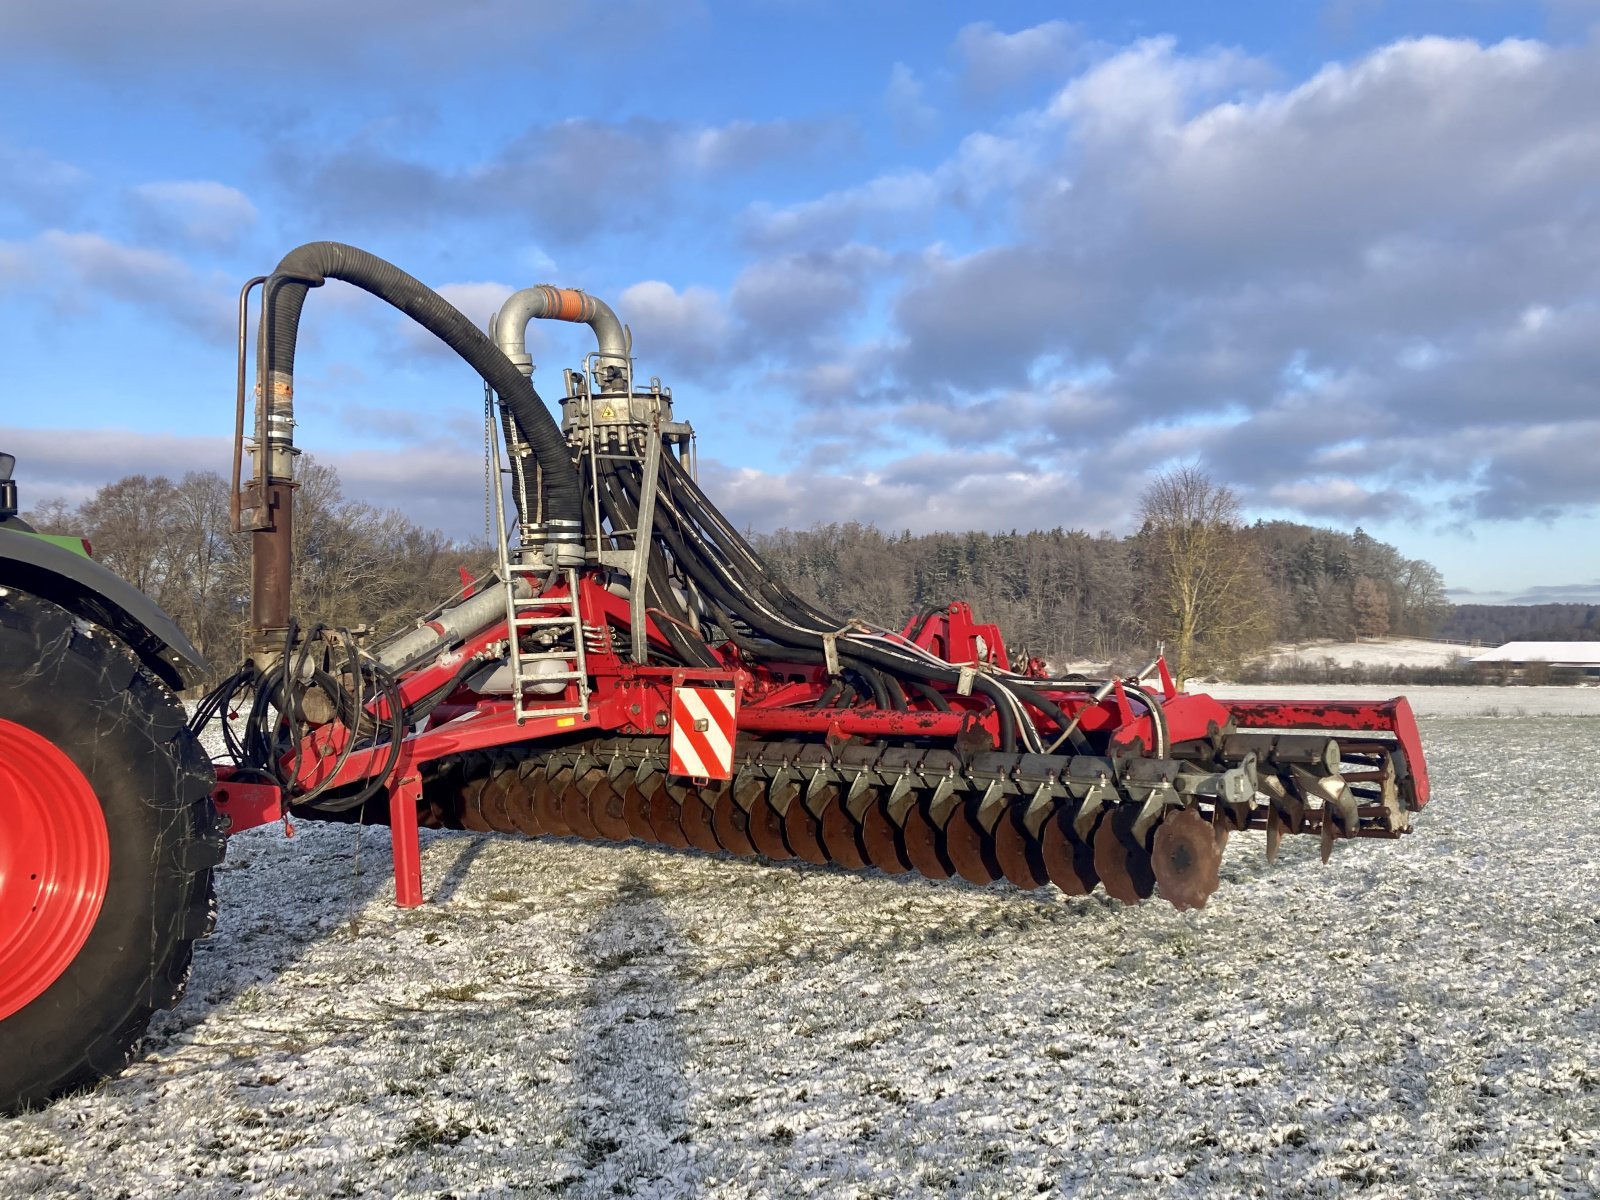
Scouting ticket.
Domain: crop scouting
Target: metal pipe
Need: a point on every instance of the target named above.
(561, 304)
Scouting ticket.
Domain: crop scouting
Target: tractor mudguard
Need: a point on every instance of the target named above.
(86, 589)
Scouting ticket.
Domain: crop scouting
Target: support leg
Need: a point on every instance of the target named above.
(403, 797)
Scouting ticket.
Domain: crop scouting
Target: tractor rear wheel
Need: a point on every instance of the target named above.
(107, 841)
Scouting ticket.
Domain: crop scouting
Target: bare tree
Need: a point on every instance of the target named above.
(1203, 594)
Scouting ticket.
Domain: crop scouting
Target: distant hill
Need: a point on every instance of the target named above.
(1496, 624)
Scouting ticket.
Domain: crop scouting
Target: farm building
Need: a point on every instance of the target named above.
(1555, 659)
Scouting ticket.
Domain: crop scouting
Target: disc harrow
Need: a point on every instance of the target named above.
(630, 670)
(1130, 826)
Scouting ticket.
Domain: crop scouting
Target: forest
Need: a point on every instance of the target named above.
(1065, 595)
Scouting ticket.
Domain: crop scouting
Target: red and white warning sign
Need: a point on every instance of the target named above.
(701, 742)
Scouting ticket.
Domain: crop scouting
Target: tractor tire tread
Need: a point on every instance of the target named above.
(83, 688)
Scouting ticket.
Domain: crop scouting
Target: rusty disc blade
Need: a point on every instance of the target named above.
(575, 808)
(969, 846)
(924, 843)
(1186, 860)
(1017, 851)
(636, 811)
(841, 836)
(664, 816)
(607, 811)
(519, 802)
(695, 817)
(1067, 861)
(471, 811)
(1124, 868)
(547, 805)
(803, 832)
(492, 801)
(765, 828)
(732, 826)
(880, 838)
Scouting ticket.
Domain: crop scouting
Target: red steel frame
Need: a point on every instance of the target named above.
(629, 699)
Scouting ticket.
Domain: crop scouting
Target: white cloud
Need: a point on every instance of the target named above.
(993, 60)
(911, 115)
(200, 211)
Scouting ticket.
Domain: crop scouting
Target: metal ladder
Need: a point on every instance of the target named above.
(528, 614)
(531, 612)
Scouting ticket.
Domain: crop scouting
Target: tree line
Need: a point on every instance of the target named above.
(355, 564)
(1193, 576)
(1496, 624)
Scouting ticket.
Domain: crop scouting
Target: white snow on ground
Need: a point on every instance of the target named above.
(1377, 652)
(1428, 701)
(1418, 1018)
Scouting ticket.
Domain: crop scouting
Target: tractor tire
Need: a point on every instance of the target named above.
(107, 841)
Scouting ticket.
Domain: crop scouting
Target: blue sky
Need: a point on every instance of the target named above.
(927, 265)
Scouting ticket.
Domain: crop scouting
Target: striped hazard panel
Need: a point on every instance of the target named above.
(701, 743)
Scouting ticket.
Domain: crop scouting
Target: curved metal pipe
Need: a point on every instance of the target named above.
(560, 304)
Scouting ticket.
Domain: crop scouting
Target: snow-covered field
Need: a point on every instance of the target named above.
(1378, 652)
(1419, 1018)
(1430, 701)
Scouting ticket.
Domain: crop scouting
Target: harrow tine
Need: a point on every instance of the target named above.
(1124, 866)
(1068, 860)
(1018, 852)
(732, 825)
(924, 843)
(881, 837)
(841, 836)
(1186, 860)
(969, 846)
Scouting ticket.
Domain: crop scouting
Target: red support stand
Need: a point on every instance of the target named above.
(403, 797)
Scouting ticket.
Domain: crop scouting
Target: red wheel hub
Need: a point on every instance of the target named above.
(55, 859)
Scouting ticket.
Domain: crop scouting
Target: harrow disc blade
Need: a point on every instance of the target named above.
(969, 846)
(492, 800)
(765, 828)
(1123, 866)
(519, 800)
(881, 839)
(575, 808)
(607, 811)
(803, 832)
(664, 816)
(636, 811)
(924, 845)
(547, 802)
(732, 826)
(695, 818)
(1186, 860)
(1068, 862)
(472, 806)
(841, 836)
(1018, 853)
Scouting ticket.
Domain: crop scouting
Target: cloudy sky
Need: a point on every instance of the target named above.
(898, 265)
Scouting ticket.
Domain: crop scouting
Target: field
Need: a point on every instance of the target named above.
(1419, 1018)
